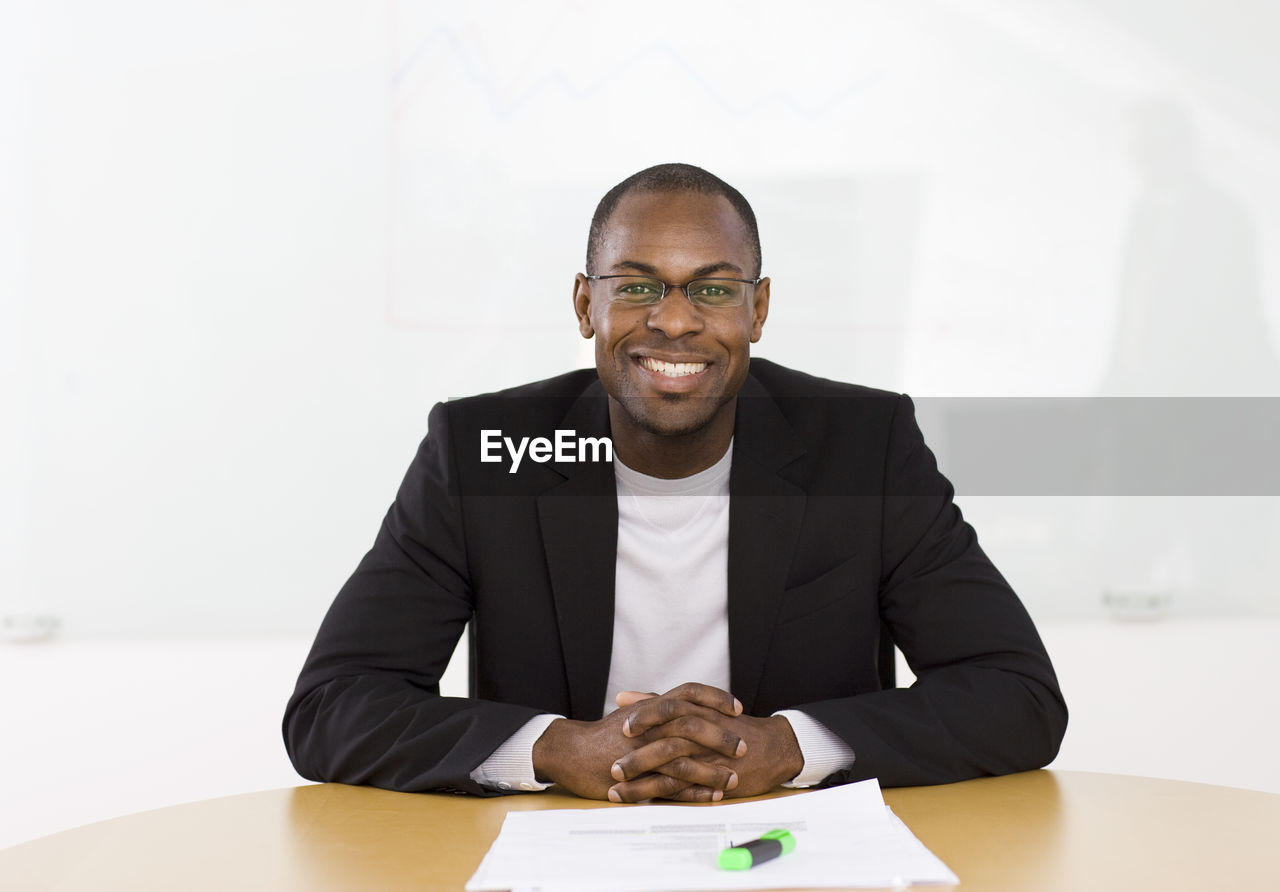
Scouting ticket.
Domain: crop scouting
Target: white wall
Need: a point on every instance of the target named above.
(250, 244)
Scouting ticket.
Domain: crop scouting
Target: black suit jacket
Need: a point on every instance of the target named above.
(839, 525)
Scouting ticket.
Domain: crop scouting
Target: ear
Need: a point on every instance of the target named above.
(582, 305)
(759, 309)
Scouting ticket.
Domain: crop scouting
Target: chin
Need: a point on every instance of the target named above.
(668, 421)
(671, 430)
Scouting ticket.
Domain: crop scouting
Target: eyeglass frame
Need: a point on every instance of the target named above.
(667, 287)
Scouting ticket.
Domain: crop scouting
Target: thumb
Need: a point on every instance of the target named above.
(626, 698)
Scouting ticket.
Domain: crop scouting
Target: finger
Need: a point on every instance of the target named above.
(662, 718)
(655, 786)
(659, 710)
(696, 772)
(677, 758)
(695, 794)
(691, 693)
(707, 695)
(628, 698)
(644, 759)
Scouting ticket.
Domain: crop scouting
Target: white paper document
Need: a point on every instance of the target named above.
(845, 836)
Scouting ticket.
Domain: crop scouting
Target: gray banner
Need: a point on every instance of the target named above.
(1131, 446)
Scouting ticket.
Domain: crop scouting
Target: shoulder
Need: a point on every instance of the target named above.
(800, 396)
(844, 439)
(832, 433)
(780, 381)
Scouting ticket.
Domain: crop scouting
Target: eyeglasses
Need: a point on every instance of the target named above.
(645, 291)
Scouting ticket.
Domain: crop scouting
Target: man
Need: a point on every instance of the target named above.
(726, 581)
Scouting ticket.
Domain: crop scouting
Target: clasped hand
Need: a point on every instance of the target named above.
(692, 744)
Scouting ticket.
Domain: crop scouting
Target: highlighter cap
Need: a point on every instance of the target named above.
(735, 859)
(783, 836)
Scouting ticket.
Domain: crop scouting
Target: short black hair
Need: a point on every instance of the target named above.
(671, 178)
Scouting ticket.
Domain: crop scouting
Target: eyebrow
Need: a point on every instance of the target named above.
(649, 270)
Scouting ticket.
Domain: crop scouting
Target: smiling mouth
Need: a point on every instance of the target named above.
(672, 369)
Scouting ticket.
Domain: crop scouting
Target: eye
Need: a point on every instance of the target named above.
(715, 292)
(638, 291)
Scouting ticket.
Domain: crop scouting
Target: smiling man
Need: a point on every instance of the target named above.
(708, 614)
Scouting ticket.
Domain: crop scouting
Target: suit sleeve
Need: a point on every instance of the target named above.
(367, 708)
(986, 700)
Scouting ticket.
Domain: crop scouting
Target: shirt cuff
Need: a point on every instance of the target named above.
(824, 752)
(510, 766)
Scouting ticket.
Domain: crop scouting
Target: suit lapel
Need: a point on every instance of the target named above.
(579, 520)
(765, 513)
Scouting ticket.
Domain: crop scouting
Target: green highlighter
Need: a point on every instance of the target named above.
(758, 851)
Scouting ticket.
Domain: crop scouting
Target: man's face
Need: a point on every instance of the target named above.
(672, 367)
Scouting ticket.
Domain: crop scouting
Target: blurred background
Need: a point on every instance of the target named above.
(244, 247)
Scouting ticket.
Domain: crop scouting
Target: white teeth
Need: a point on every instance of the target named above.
(672, 369)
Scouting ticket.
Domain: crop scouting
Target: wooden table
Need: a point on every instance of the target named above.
(1033, 832)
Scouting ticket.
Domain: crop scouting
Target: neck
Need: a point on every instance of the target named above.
(671, 456)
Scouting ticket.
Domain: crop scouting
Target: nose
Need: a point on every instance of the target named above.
(675, 315)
